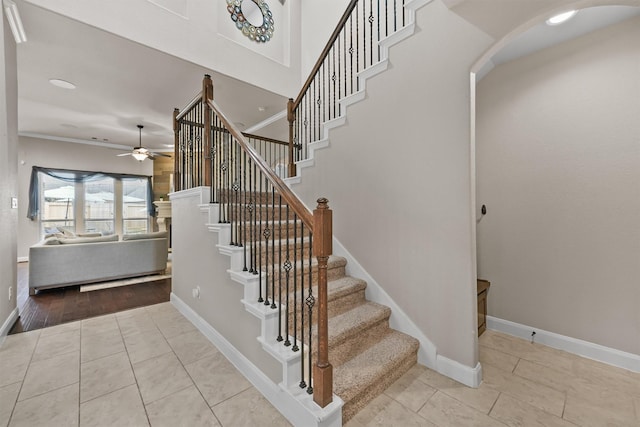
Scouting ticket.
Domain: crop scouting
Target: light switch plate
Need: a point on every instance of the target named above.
(14, 203)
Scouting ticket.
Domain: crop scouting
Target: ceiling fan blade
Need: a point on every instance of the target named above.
(161, 154)
(123, 154)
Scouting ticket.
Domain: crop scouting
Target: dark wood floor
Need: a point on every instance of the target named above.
(55, 306)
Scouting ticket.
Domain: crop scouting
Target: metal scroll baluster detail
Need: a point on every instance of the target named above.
(287, 268)
(310, 301)
(295, 282)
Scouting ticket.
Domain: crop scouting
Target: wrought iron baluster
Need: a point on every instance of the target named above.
(254, 237)
(263, 233)
(244, 221)
(334, 78)
(310, 303)
(295, 281)
(378, 40)
(273, 249)
(267, 235)
(302, 384)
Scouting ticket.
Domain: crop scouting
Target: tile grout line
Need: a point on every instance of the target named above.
(23, 378)
(144, 407)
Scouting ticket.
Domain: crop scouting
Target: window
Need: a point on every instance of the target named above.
(134, 206)
(99, 213)
(58, 207)
(89, 202)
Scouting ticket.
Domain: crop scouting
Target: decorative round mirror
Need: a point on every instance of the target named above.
(253, 18)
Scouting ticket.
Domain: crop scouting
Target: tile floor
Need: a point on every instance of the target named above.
(523, 384)
(150, 366)
(147, 366)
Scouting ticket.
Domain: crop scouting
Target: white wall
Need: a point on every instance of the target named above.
(397, 179)
(200, 31)
(558, 167)
(197, 262)
(8, 182)
(319, 19)
(63, 155)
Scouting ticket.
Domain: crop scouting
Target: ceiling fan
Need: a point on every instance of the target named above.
(140, 153)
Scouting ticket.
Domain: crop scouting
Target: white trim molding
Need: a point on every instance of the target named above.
(608, 355)
(299, 410)
(23, 259)
(471, 377)
(6, 326)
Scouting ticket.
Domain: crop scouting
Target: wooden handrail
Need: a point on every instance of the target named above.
(190, 105)
(325, 52)
(292, 200)
(264, 138)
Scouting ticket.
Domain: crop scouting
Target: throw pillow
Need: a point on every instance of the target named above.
(51, 241)
(67, 231)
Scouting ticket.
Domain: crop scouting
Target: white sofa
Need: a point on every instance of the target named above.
(83, 260)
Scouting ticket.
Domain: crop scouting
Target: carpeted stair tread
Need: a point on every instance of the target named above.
(340, 287)
(344, 286)
(356, 321)
(374, 369)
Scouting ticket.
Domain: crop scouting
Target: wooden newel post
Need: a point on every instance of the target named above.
(291, 117)
(207, 94)
(176, 151)
(322, 248)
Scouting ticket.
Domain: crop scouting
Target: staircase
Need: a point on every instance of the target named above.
(366, 354)
(273, 239)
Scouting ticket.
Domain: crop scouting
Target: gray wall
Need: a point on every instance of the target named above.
(63, 155)
(8, 183)
(397, 179)
(197, 262)
(558, 166)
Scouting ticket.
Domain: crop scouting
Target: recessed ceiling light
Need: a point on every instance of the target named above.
(62, 83)
(561, 17)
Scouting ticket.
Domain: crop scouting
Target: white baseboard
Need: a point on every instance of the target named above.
(6, 326)
(464, 374)
(23, 259)
(586, 349)
(299, 411)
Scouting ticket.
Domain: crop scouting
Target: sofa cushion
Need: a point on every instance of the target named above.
(141, 236)
(112, 238)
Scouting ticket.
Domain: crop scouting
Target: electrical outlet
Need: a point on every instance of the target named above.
(14, 203)
(10, 292)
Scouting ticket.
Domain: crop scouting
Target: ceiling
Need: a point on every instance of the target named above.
(542, 35)
(119, 84)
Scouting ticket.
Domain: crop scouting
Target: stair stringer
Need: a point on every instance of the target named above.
(385, 44)
(290, 399)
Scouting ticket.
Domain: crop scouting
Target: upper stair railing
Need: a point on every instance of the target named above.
(352, 47)
(284, 244)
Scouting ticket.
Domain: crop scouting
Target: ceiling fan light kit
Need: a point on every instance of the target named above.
(140, 153)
